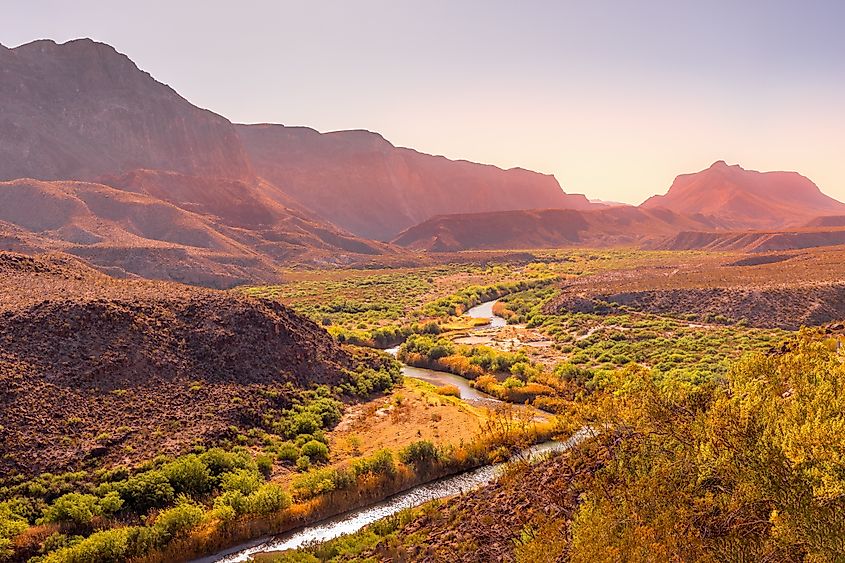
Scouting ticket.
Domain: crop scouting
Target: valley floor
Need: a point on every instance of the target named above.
(599, 339)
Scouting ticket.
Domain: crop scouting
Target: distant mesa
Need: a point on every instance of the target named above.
(746, 199)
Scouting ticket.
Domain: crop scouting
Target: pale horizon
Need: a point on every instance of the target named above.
(614, 107)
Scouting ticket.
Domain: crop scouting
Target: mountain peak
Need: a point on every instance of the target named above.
(747, 198)
(130, 119)
(722, 165)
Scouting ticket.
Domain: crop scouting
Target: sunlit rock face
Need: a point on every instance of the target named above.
(743, 198)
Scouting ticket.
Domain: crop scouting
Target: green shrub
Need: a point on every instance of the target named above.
(380, 463)
(11, 524)
(108, 546)
(244, 480)
(265, 465)
(74, 508)
(148, 490)
(269, 498)
(288, 452)
(303, 463)
(419, 453)
(219, 461)
(322, 481)
(189, 475)
(178, 520)
(316, 451)
(234, 500)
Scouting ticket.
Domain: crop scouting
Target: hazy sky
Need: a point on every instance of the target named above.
(614, 98)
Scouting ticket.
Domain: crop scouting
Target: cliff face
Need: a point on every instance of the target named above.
(746, 198)
(81, 109)
(362, 183)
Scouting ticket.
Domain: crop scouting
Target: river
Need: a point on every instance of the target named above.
(353, 521)
(485, 311)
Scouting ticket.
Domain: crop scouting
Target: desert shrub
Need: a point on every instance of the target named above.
(512, 382)
(316, 451)
(219, 461)
(267, 499)
(322, 481)
(288, 452)
(303, 423)
(419, 453)
(380, 463)
(147, 490)
(449, 391)
(115, 545)
(265, 465)
(11, 524)
(178, 520)
(234, 500)
(244, 480)
(303, 463)
(81, 509)
(189, 475)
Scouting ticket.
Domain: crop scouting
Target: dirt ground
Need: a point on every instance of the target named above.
(414, 411)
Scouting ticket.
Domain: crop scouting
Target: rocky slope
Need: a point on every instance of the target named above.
(362, 183)
(134, 233)
(524, 516)
(547, 228)
(774, 290)
(754, 241)
(744, 199)
(93, 367)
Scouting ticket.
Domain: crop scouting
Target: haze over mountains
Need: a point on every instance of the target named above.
(102, 161)
(362, 183)
(720, 208)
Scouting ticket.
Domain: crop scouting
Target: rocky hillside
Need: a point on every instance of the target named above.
(523, 516)
(93, 367)
(362, 183)
(774, 290)
(755, 241)
(744, 199)
(547, 228)
(130, 232)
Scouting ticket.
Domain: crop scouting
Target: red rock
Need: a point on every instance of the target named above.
(743, 199)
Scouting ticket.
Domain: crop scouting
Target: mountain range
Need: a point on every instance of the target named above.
(101, 161)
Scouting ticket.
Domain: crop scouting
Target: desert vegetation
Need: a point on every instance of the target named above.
(743, 466)
(282, 457)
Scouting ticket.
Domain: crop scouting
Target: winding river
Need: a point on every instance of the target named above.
(354, 520)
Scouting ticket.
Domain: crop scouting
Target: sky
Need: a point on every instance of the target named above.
(615, 98)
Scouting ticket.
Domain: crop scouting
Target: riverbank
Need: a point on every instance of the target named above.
(352, 521)
(373, 487)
